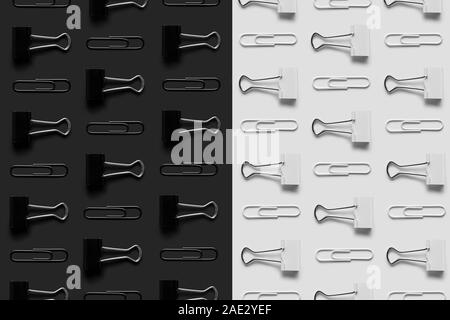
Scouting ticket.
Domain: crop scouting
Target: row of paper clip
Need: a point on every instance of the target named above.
(289, 7)
(287, 256)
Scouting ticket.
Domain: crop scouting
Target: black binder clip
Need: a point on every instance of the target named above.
(169, 290)
(20, 291)
(97, 166)
(99, 8)
(171, 211)
(22, 131)
(94, 250)
(172, 42)
(41, 3)
(172, 121)
(22, 47)
(96, 81)
(20, 209)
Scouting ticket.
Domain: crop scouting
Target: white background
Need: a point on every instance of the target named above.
(336, 192)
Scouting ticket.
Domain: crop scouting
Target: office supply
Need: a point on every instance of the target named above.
(360, 292)
(191, 3)
(414, 126)
(324, 169)
(113, 213)
(267, 39)
(113, 295)
(192, 84)
(21, 291)
(340, 83)
(269, 126)
(342, 4)
(416, 212)
(428, 6)
(115, 43)
(42, 86)
(115, 128)
(270, 212)
(189, 254)
(281, 295)
(282, 6)
(343, 255)
(39, 170)
(417, 295)
(41, 3)
(395, 40)
(171, 290)
(39, 255)
(189, 170)
(99, 9)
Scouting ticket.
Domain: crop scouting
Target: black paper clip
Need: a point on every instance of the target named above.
(42, 86)
(20, 211)
(172, 39)
(22, 128)
(115, 43)
(187, 254)
(171, 211)
(22, 39)
(97, 166)
(20, 291)
(172, 121)
(93, 250)
(192, 84)
(191, 3)
(113, 295)
(39, 170)
(115, 128)
(96, 81)
(189, 170)
(40, 255)
(169, 290)
(99, 9)
(113, 213)
(41, 3)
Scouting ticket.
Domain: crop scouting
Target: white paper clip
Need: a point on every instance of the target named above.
(360, 127)
(394, 40)
(340, 83)
(343, 255)
(283, 6)
(268, 126)
(435, 170)
(288, 256)
(270, 212)
(280, 295)
(414, 126)
(433, 256)
(341, 169)
(268, 39)
(361, 213)
(359, 43)
(416, 212)
(433, 84)
(429, 6)
(342, 4)
(360, 292)
(287, 170)
(287, 84)
(417, 295)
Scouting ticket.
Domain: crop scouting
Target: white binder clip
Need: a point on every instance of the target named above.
(360, 292)
(342, 4)
(435, 170)
(361, 213)
(433, 256)
(287, 84)
(429, 6)
(289, 256)
(360, 131)
(359, 43)
(433, 84)
(283, 6)
(287, 170)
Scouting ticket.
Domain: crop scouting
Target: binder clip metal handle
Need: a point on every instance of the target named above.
(399, 254)
(244, 78)
(64, 48)
(55, 293)
(124, 257)
(39, 255)
(52, 170)
(137, 90)
(331, 296)
(400, 170)
(317, 122)
(129, 3)
(433, 255)
(325, 44)
(257, 170)
(20, 290)
(42, 4)
(191, 3)
(42, 86)
(392, 89)
(212, 289)
(254, 254)
(115, 43)
(201, 210)
(188, 36)
(50, 215)
(52, 123)
(137, 175)
(429, 6)
(333, 216)
(186, 254)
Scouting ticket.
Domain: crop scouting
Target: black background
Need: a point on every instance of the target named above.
(147, 147)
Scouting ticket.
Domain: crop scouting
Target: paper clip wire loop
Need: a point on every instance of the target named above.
(343, 255)
(414, 126)
(189, 254)
(332, 169)
(192, 84)
(42, 3)
(116, 128)
(46, 170)
(42, 86)
(258, 126)
(394, 40)
(260, 40)
(125, 295)
(113, 213)
(40, 255)
(189, 170)
(340, 83)
(416, 212)
(341, 4)
(191, 3)
(116, 43)
(294, 212)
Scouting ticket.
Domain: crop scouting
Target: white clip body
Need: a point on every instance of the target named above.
(360, 41)
(342, 4)
(363, 292)
(290, 256)
(434, 84)
(362, 127)
(432, 6)
(287, 6)
(290, 170)
(288, 84)
(436, 170)
(436, 256)
(364, 213)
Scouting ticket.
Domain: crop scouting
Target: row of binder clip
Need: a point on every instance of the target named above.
(290, 6)
(287, 256)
